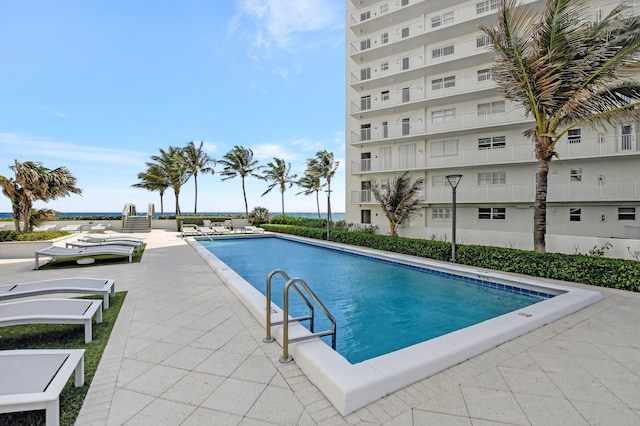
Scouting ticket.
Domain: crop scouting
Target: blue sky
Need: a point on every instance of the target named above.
(98, 86)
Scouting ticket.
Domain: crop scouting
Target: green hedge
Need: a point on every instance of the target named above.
(592, 270)
(10, 235)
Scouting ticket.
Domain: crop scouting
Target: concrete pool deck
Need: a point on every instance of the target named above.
(185, 351)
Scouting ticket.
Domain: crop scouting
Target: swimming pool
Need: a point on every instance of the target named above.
(370, 299)
(352, 386)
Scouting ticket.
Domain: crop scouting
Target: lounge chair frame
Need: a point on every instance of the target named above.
(75, 285)
(33, 379)
(53, 311)
(58, 252)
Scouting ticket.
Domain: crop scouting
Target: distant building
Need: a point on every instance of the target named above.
(420, 97)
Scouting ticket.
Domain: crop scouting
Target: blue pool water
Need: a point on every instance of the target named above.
(379, 306)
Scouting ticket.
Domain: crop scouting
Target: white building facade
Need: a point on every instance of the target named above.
(421, 98)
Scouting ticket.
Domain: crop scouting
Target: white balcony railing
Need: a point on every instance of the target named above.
(461, 85)
(627, 190)
(471, 120)
(586, 148)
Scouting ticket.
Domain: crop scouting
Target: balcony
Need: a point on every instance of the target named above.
(458, 123)
(416, 95)
(627, 190)
(403, 65)
(587, 148)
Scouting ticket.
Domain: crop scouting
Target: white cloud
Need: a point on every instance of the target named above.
(269, 151)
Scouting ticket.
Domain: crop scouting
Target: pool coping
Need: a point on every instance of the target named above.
(351, 386)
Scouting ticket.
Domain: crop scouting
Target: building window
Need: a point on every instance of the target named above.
(443, 83)
(384, 66)
(495, 142)
(365, 161)
(440, 213)
(384, 96)
(575, 175)
(496, 107)
(446, 148)
(574, 136)
(492, 178)
(365, 132)
(385, 129)
(405, 94)
(365, 15)
(405, 63)
(492, 213)
(365, 73)
(443, 115)
(404, 32)
(384, 8)
(574, 215)
(442, 51)
(483, 41)
(365, 103)
(365, 44)
(436, 21)
(487, 6)
(447, 18)
(404, 3)
(365, 216)
(384, 184)
(405, 127)
(626, 213)
(438, 181)
(384, 38)
(485, 75)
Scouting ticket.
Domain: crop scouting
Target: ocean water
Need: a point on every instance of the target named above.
(336, 216)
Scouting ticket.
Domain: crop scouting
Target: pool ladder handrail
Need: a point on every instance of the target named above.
(294, 282)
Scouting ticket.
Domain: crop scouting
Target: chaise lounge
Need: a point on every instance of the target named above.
(34, 379)
(52, 311)
(72, 228)
(76, 285)
(56, 252)
(137, 245)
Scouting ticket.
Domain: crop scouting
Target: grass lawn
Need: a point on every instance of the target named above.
(103, 259)
(62, 336)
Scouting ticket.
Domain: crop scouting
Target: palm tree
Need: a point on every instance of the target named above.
(239, 162)
(197, 161)
(34, 182)
(567, 72)
(310, 184)
(399, 202)
(324, 167)
(278, 172)
(153, 179)
(173, 168)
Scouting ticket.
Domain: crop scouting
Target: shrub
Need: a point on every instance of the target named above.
(11, 235)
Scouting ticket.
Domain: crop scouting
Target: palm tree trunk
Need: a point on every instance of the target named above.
(162, 203)
(282, 195)
(246, 206)
(329, 201)
(16, 218)
(195, 206)
(318, 202)
(177, 193)
(540, 205)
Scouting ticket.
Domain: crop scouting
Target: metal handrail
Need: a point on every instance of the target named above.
(285, 358)
(293, 283)
(311, 317)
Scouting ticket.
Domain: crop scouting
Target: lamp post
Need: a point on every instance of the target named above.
(453, 180)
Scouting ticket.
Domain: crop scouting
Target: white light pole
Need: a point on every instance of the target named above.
(328, 211)
(453, 180)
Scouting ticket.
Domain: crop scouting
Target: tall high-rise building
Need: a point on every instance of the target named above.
(421, 98)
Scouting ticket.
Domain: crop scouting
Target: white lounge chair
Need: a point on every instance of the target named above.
(137, 245)
(189, 229)
(72, 228)
(220, 230)
(75, 285)
(45, 228)
(101, 238)
(33, 379)
(253, 229)
(56, 252)
(52, 311)
(100, 228)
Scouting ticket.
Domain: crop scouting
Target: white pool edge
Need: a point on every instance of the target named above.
(352, 386)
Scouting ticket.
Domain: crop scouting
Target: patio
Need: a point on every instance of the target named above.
(185, 351)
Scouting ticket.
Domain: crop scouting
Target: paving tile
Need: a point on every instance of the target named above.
(193, 388)
(161, 412)
(255, 368)
(277, 405)
(204, 416)
(188, 357)
(221, 363)
(544, 411)
(493, 405)
(530, 382)
(234, 396)
(450, 402)
(156, 352)
(156, 380)
(430, 418)
(125, 405)
(602, 414)
(583, 388)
